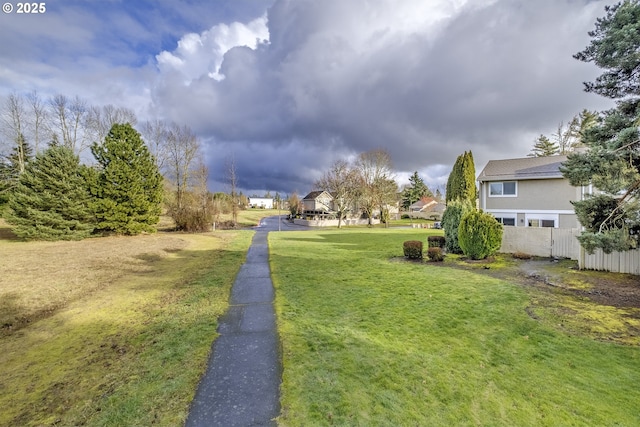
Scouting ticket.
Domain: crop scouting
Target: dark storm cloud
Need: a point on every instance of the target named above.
(338, 78)
(289, 86)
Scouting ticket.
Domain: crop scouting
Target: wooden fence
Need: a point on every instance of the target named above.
(562, 243)
(617, 262)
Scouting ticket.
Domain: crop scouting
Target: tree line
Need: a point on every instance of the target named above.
(83, 140)
(56, 197)
(567, 138)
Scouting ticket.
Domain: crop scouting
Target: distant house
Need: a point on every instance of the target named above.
(318, 203)
(425, 204)
(427, 207)
(529, 192)
(261, 202)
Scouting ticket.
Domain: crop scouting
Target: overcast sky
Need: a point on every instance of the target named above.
(286, 87)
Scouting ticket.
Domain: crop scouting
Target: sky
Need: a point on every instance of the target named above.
(287, 87)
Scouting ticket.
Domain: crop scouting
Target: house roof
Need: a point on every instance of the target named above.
(315, 194)
(424, 202)
(524, 168)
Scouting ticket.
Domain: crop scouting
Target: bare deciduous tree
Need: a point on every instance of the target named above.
(232, 178)
(341, 181)
(295, 205)
(156, 133)
(98, 120)
(182, 147)
(69, 117)
(39, 120)
(13, 117)
(376, 182)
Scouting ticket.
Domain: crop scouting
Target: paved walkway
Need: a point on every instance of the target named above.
(242, 381)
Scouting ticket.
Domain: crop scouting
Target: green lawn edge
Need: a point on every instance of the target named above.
(369, 339)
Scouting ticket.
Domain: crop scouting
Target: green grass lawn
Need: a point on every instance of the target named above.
(371, 340)
(125, 332)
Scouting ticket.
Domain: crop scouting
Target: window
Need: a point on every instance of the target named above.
(497, 189)
(505, 219)
(508, 221)
(542, 223)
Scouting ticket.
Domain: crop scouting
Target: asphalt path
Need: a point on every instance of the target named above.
(242, 381)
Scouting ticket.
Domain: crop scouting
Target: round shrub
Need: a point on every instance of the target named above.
(413, 249)
(479, 235)
(436, 241)
(435, 254)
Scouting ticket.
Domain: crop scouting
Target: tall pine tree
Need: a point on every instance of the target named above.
(128, 186)
(13, 165)
(50, 201)
(417, 190)
(543, 147)
(611, 217)
(461, 184)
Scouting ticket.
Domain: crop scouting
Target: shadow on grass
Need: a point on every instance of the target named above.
(7, 234)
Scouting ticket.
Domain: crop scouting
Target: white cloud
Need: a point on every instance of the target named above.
(199, 55)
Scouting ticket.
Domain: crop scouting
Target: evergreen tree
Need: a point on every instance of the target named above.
(456, 209)
(612, 163)
(579, 125)
(13, 166)
(452, 181)
(50, 201)
(417, 190)
(470, 191)
(543, 147)
(128, 188)
(461, 184)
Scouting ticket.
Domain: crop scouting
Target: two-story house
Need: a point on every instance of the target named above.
(529, 192)
(318, 203)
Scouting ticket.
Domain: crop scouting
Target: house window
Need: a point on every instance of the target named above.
(505, 218)
(542, 223)
(507, 221)
(498, 189)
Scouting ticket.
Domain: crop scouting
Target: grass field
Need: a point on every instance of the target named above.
(110, 331)
(371, 340)
(116, 332)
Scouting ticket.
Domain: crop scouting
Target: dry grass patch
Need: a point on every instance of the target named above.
(111, 331)
(39, 277)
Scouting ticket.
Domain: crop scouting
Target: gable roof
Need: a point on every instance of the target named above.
(424, 202)
(315, 194)
(524, 168)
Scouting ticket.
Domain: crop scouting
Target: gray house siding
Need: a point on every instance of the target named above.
(528, 192)
(538, 194)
